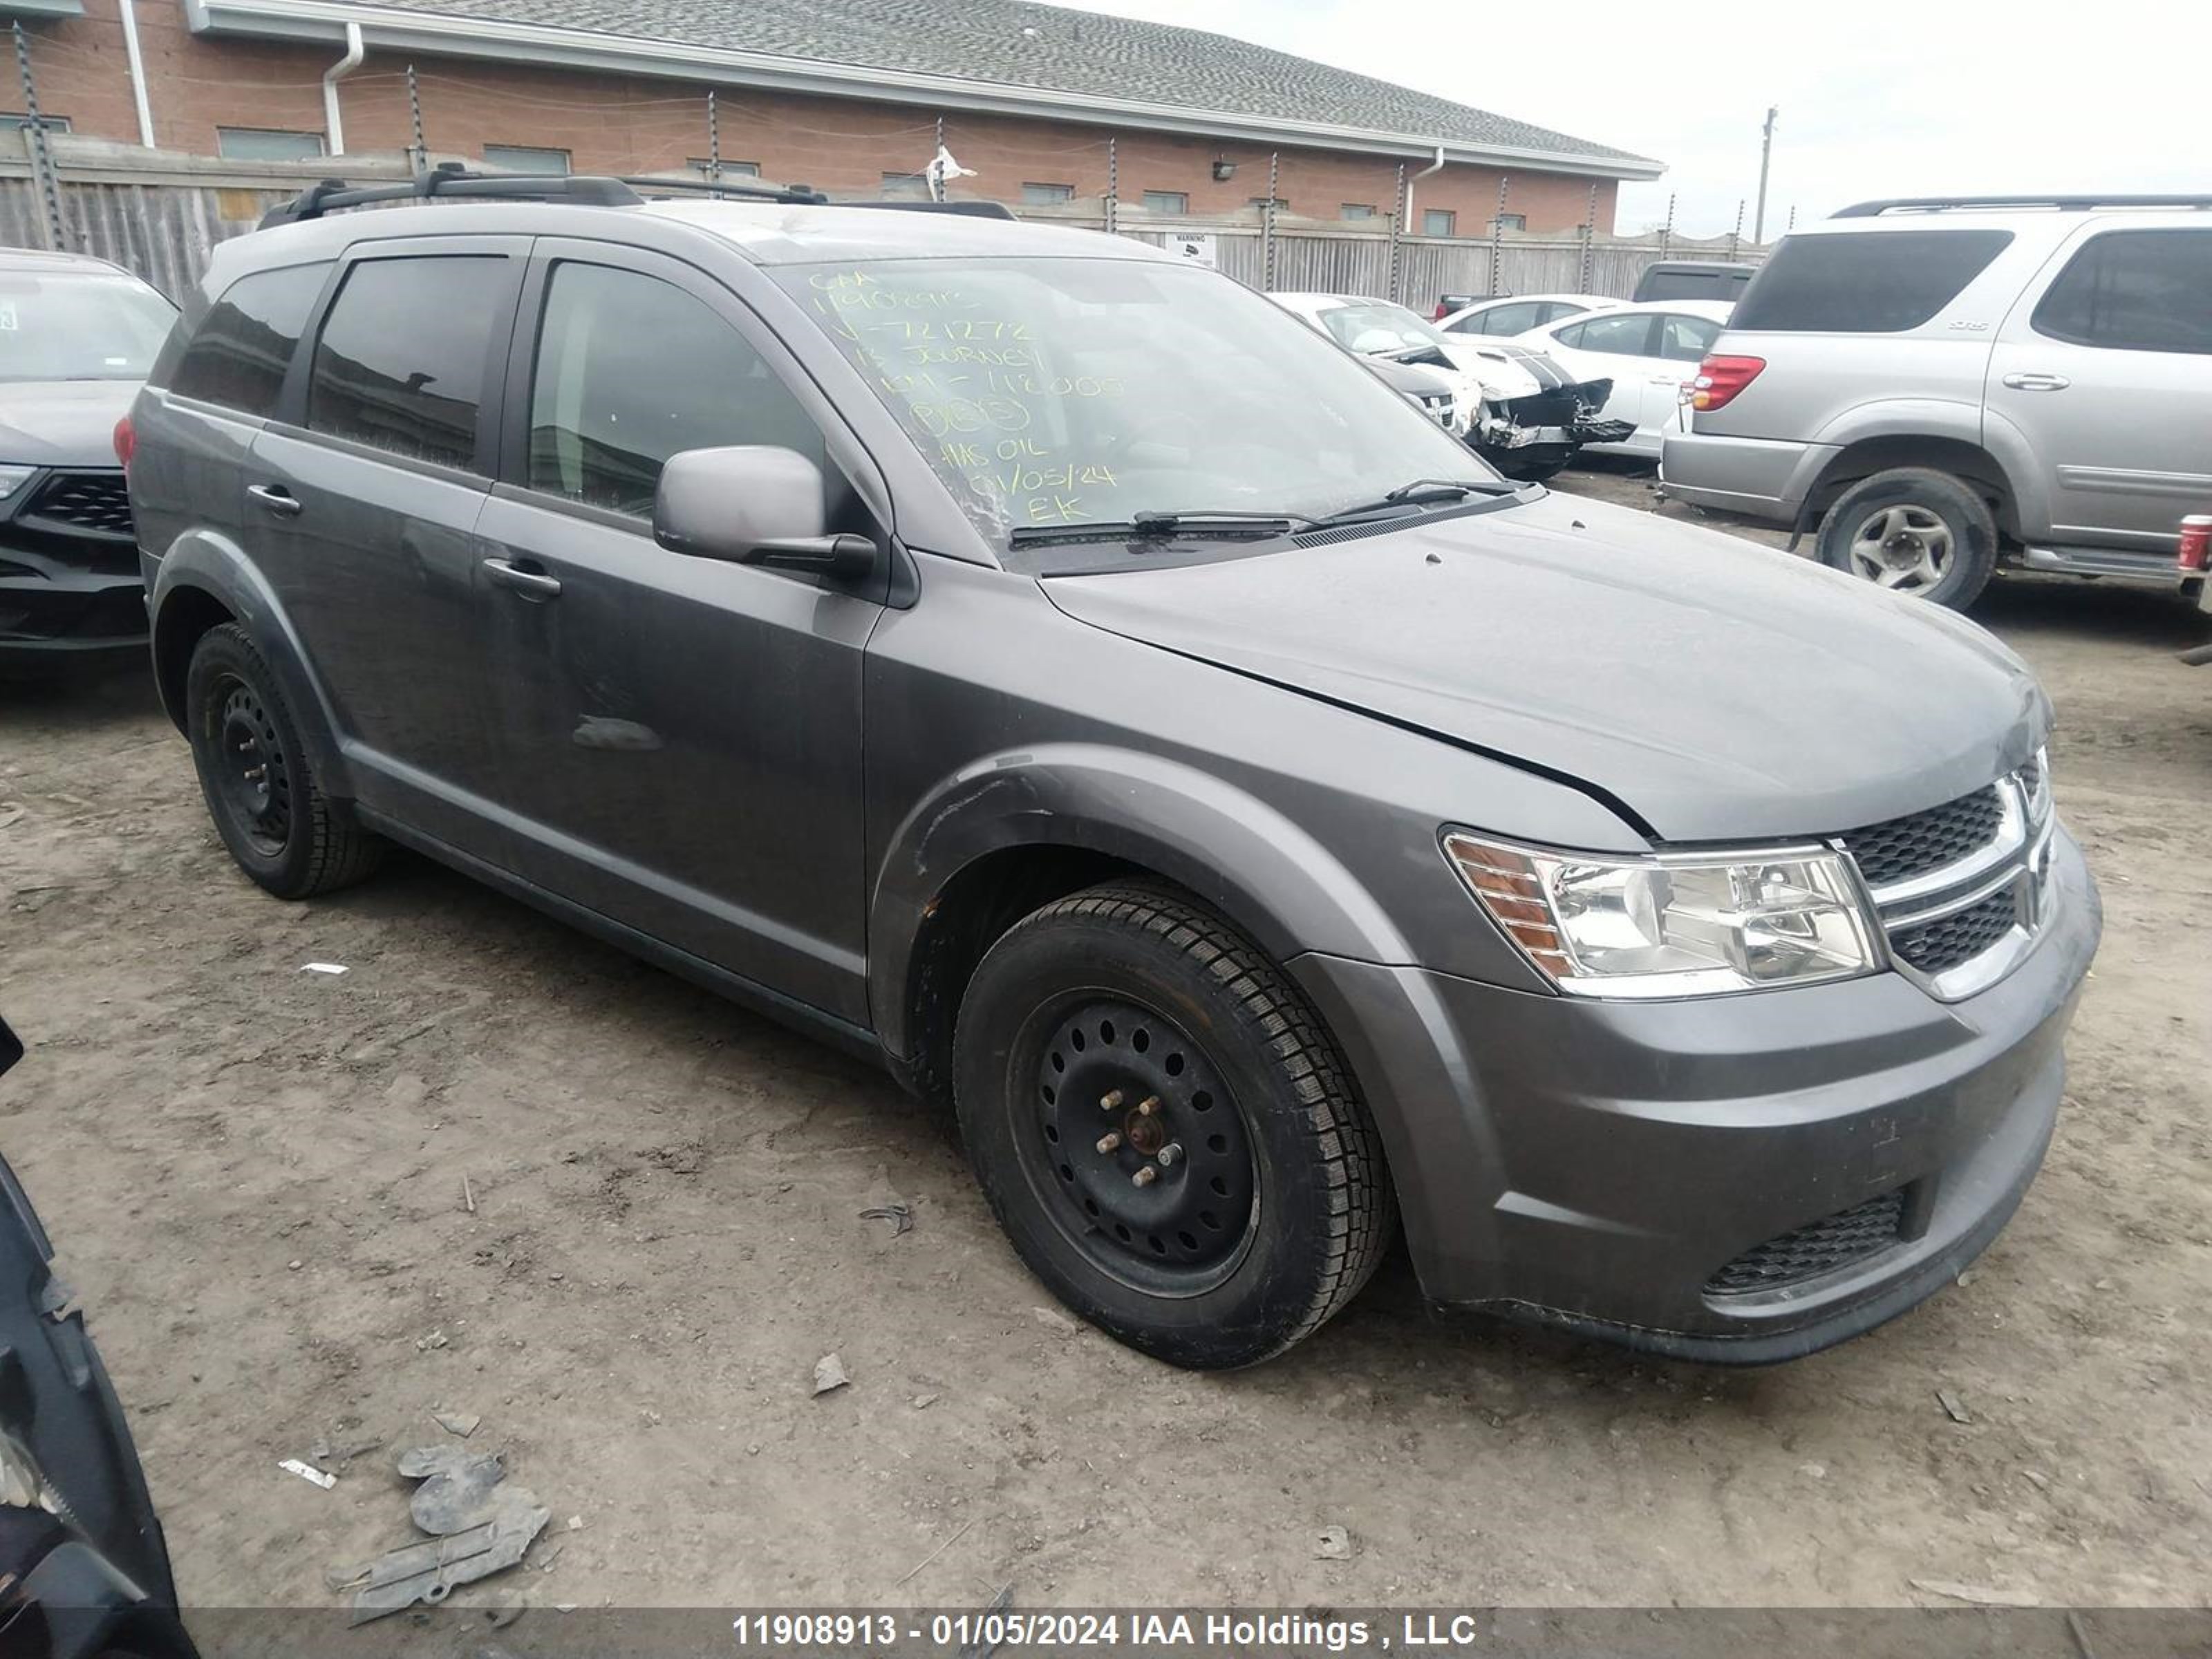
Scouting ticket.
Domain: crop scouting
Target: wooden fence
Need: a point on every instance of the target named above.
(161, 215)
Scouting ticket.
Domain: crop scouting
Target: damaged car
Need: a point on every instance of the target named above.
(1040, 665)
(1518, 409)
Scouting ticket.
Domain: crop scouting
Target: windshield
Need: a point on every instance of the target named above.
(1374, 327)
(1067, 392)
(80, 327)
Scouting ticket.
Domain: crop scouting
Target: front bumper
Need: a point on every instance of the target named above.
(1596, 1164)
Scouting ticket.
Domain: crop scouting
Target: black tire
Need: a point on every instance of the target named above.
(1278, 1208)
(1896, 521)
(260, 784)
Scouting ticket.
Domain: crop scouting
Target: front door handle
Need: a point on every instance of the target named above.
(2037, 382)
(275, 498)
(531, 584)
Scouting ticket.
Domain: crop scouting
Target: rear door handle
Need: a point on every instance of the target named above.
(275, 498)
(2037, 382)
(531, 584)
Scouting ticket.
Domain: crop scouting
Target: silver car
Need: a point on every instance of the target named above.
(1942, 385)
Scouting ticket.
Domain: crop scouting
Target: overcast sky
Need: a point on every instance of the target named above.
(1878, 97)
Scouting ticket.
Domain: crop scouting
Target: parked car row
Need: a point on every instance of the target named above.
(1514, 405)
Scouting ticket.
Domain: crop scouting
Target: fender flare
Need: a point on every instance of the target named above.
(210, 563)
(1244, 857)
(1899, 420)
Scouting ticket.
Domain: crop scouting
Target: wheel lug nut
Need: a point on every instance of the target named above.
(1148, 1105)
(1145, 1177)
(1109, 1141)
(1110, 1101)
(1170, 1154)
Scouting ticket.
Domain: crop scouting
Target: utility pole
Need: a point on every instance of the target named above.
(1765, 156)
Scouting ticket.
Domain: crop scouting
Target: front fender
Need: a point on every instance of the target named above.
(209, 562)
(1239, 855)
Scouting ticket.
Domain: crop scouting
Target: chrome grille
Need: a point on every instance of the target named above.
(1937, 946)
(1834, 1241)
(1899, 849)
(1959, 887)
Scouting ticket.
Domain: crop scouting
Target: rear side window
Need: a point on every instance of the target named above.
(400, 365)
(1686, 339)
(1517, 318)
(244, 345)
(632, 370)
(1618, 336)
(1874, 282)
(2134, 290)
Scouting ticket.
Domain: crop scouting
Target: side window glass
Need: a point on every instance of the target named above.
(238, 355)
(1618, 337)
(400, 365)
(1509, 320)
(632, 370)
(2134, 290)
(1686, 339)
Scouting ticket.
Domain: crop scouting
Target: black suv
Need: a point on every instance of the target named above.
(76, 337)
(1056, 671)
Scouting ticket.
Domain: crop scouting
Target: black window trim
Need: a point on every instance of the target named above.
(290, 417)
(2071, 255)
(164, 375)
(511, 479)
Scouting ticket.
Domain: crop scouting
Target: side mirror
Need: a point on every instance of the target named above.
(752, 504)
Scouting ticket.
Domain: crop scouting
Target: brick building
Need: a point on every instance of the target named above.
(850, 96)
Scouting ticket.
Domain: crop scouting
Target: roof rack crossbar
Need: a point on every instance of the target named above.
(735, 185)
(962, 210)
(449, 180)
(2063, 203)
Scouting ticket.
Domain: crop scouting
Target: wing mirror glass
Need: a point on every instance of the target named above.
(754, 504)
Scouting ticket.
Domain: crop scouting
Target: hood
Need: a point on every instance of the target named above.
(62, 422)
(1715, 690)
(1474, 372)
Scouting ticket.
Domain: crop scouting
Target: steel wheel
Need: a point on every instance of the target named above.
(1905, 548)
(1136, 1145)
(254, 784)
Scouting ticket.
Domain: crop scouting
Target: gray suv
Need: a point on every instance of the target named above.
(1941, 384)
(1056, 674)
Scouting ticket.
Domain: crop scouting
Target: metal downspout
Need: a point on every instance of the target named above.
(333, 125)
(137, 66)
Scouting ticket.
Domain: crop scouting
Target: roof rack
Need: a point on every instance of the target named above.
(734, 185)
(2063, 203)
(449, 179)
(962, 210)
(806, 195)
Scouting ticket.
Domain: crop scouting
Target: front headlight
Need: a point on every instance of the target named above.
(1676, 924)
(12, 478)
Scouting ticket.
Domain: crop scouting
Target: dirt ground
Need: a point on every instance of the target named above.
(259, 1179)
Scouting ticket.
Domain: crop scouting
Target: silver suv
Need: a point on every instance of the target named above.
(1941, 384)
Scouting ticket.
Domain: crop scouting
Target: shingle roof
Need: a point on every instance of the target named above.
(1044, 48)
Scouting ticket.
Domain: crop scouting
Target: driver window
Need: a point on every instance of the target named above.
(632, 370)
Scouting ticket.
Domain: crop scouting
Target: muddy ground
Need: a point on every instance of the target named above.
(256, 1175)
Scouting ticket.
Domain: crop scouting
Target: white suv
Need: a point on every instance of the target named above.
(1941, 384)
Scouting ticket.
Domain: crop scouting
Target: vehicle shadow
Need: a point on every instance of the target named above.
(77, 702)
(2154, 618)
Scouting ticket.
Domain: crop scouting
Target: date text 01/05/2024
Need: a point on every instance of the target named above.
(972, 1632)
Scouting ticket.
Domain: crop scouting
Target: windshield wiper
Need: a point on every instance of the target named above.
(1159, 526)
(1420, 492)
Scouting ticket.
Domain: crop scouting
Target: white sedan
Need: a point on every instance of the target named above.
(1517, 313)
(1648, 352)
